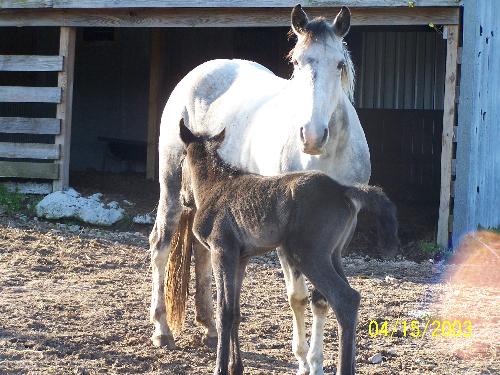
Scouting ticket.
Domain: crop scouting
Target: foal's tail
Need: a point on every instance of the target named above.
(374, 200)
(178, 272)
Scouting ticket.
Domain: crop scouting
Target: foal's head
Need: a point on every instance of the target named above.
(201, 163)
(323, 71)
(199, 148)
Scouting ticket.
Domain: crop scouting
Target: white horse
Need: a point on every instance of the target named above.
(272, 126)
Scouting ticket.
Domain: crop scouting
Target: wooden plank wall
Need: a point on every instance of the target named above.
(25, 159)
(477, 185)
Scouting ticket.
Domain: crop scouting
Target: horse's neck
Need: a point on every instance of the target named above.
(210, 170)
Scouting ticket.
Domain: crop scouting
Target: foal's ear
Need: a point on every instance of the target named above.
(342, 22)
(299, 19)
(186, 136)
(219, 138)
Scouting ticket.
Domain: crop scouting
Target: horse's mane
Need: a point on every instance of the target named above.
(216, 163)
(320, 28)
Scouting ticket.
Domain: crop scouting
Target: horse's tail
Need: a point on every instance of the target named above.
(374, 199)
(178, 272)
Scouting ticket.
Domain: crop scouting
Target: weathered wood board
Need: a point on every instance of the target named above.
(24, 125)
(219, 17)
(47, 171)
(30, 63)
(29, 151)
(21, 94)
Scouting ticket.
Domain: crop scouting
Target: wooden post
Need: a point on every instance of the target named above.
(154, 110)
(65, 82)
(452, 33)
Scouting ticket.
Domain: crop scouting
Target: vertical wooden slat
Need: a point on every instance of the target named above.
(155, 80)
(64, 109)
(447, 139)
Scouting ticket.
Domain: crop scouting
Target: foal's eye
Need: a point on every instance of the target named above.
(341, 65)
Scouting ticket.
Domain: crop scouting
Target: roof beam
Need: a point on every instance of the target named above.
(212, 17)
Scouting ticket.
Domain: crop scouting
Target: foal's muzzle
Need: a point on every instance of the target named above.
(312, 144)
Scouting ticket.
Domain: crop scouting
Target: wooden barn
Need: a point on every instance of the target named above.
(83, 83)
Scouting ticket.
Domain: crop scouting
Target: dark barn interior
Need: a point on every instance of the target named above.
(399, 99)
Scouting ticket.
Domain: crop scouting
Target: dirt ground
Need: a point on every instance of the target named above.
(76, 301)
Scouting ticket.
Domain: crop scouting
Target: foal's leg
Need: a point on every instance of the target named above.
(236, 364)
(167, 219)
(319, 308)
(203, 296)
(344, 301)
(297, 297)
(224, 267)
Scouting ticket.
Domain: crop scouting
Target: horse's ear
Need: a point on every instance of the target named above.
(219, 138)
(342, 22)
(299, 19)
(186, 136)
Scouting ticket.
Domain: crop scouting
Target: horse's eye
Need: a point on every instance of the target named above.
(341, 65)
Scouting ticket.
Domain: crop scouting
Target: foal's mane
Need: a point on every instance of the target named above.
(320, 29)
(216, 163)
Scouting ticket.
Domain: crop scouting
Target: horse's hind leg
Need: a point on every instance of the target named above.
(319, 308)
(342, 298)
(167, 219)
(203, 296)
(297, 297)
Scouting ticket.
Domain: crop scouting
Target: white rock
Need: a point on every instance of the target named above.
(72, 192)
(377, 358)
(96, 197)
(143, 219)
(390, 279)
(114, 205)
(70, 204)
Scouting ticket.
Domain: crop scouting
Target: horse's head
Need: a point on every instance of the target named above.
(323, 72)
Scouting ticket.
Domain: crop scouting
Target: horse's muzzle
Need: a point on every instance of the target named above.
(311, 145)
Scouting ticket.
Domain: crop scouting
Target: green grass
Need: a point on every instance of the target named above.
(11, 202)
(430, 248)
(15, 202)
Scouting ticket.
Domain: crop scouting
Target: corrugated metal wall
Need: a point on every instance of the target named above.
(401, 70)
(477, 185)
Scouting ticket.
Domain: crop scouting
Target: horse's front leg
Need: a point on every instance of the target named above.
(297, 297)
(203, 296)
(224, 267)
(319, 308)
(236, 364)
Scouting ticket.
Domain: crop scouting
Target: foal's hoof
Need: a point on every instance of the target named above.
(164, 341)
(209, 342)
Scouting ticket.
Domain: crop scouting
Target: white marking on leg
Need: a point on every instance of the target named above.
(297, 297)
(315, 355)
(158, 309)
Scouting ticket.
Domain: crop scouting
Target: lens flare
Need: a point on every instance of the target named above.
(471, 298)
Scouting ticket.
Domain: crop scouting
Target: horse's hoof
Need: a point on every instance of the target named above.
(209, 342)
(164, 341)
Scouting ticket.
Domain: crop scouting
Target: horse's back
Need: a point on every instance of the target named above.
(213, 95)
(199, 95)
